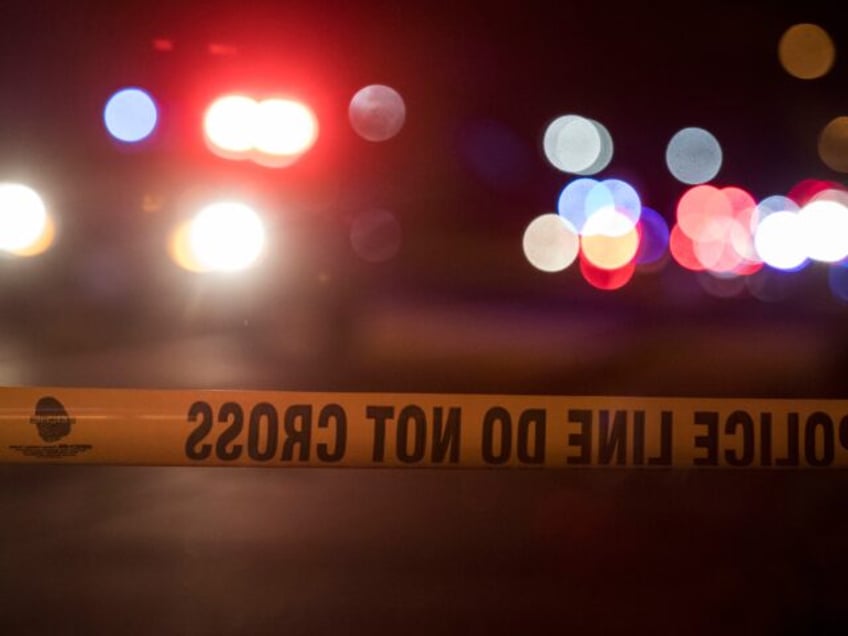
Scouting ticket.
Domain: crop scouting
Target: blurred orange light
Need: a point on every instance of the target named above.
(42, 243)
(610, 252)
(806, 51)
(833, 144)
(180, 250)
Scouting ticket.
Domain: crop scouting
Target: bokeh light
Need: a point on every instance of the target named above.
(284, 128)
(130, 115)
(682, 249)
(715, 231)
(223, 237)
(833, 144)
(606, 279)
(582, 198)
(806, 51)
(693, 156)
(550, 243)
(571, 204)
(824, 229)
(577, 145)
(704, 213)
(229, 123)
(180, 251)
(377, 112)
(838, 281)
(654, 234)
(609, 240)
(618, 195)
(786, 237)
(25, 227)
(804, 191)
(273, 132)
(772, 204)
(376, 236)
(778, 241)
(605, 155)
(717, 256)
(42, 243)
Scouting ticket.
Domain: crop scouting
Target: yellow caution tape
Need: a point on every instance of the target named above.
(269, 428)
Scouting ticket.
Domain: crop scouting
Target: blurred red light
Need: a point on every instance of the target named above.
(606, 279)
(683, 250)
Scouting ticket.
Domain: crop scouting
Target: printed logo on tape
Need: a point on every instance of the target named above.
(53, 423)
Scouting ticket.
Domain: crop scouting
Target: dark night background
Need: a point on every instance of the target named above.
(248, 551)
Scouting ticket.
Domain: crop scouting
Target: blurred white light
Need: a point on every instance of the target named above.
(225, 236)
(616, 194)
(23, 218)
(824, 227)
(578, 145)
(230, 123)
(284, 127)
(377, 112)
(605, 156)
(607, 221)
(693, 156)
(550, 243)
(778, 241)
(130, 115)
(770, 205)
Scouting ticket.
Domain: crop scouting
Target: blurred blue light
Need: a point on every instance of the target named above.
(572, 202)
(654, 239)
(582, 198)
(618, 194)
(838, 280)
(130, 115)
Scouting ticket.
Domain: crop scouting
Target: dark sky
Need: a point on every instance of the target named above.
(246, 551)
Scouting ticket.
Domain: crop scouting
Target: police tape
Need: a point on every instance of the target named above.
(270, 428)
